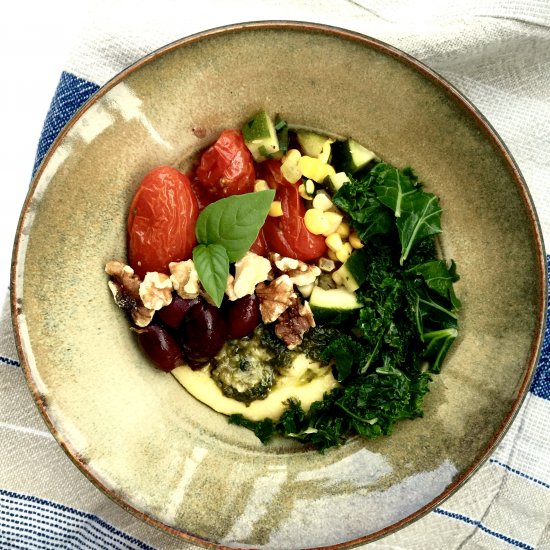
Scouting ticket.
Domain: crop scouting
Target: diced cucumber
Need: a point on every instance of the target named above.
(353, 272)
(332, 305)
(349, 156)
(311, 143)
(260, 136)
(335, 181)
(281, 127)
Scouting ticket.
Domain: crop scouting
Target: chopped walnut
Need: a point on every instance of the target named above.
(250, 270)
(300, 273)
(124, 285)
(125, 276)
(185, 279)
(275, 297)
(294, 322)
(230, 288)
(284, 264)
(155, 290)
(142, 315)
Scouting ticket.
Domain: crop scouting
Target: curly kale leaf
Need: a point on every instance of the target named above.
(368, 216)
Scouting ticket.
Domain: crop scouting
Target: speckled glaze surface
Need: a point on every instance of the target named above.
(132, 429)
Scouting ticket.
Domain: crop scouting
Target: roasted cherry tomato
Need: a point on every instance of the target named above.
(259, 246)
(288, 234)
(226, 167)
(161, 221)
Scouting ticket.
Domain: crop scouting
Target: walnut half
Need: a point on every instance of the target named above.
(294, 322)
(155, 290)
(124, 286)
(275, 297)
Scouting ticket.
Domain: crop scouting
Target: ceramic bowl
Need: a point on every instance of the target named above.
(132, 429)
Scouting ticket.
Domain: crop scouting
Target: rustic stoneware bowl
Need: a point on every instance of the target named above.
(132, 429)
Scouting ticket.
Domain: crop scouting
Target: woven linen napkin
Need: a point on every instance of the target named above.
(497, 52)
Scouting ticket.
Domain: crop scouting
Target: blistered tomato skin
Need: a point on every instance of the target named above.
(161, 347)
(203, 333)
(243, 316)
(227, 167)
(161, 221)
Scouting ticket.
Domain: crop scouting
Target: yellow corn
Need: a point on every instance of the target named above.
(306, 290)
(276, 209)
(334, 242)
(322, 201)
(310, 187)
(316, 221)
(343, 230)
(344, 253)
(260, 185)
(334, 220)
(332, 255)
(290, 166)
(303, 193)
(355, 241)
(314, 168)
(325, 264)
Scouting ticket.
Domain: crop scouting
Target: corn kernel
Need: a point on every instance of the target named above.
(314, 168)
(334, 220)
(310, 187)
(322, 201)
(355, 241)
(343, 230)
(325, 264)
(290, 168)
(344, 253)
(260, 185)
(334, 242)
(276, 209)
(332, 255)
(303, 193)
(316, 221)
(306, 290)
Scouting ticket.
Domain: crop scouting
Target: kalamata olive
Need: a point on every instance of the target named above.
(172, 315)
(160, 346)
(203, 333)
(243, 316)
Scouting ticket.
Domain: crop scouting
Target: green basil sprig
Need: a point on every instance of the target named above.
(225, 231)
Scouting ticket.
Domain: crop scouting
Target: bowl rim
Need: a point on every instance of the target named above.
(457, 97)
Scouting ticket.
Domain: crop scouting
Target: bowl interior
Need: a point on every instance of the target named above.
(133, 430)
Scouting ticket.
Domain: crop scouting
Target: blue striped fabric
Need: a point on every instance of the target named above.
(30, 522)
(71, 93)
(479, 524)
(541, 380)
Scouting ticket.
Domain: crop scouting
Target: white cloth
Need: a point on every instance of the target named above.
(497, 52)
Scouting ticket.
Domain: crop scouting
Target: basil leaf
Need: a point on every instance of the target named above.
(212, 265)
(234, 222)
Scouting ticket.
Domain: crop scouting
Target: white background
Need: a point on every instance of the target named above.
(35, 40)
